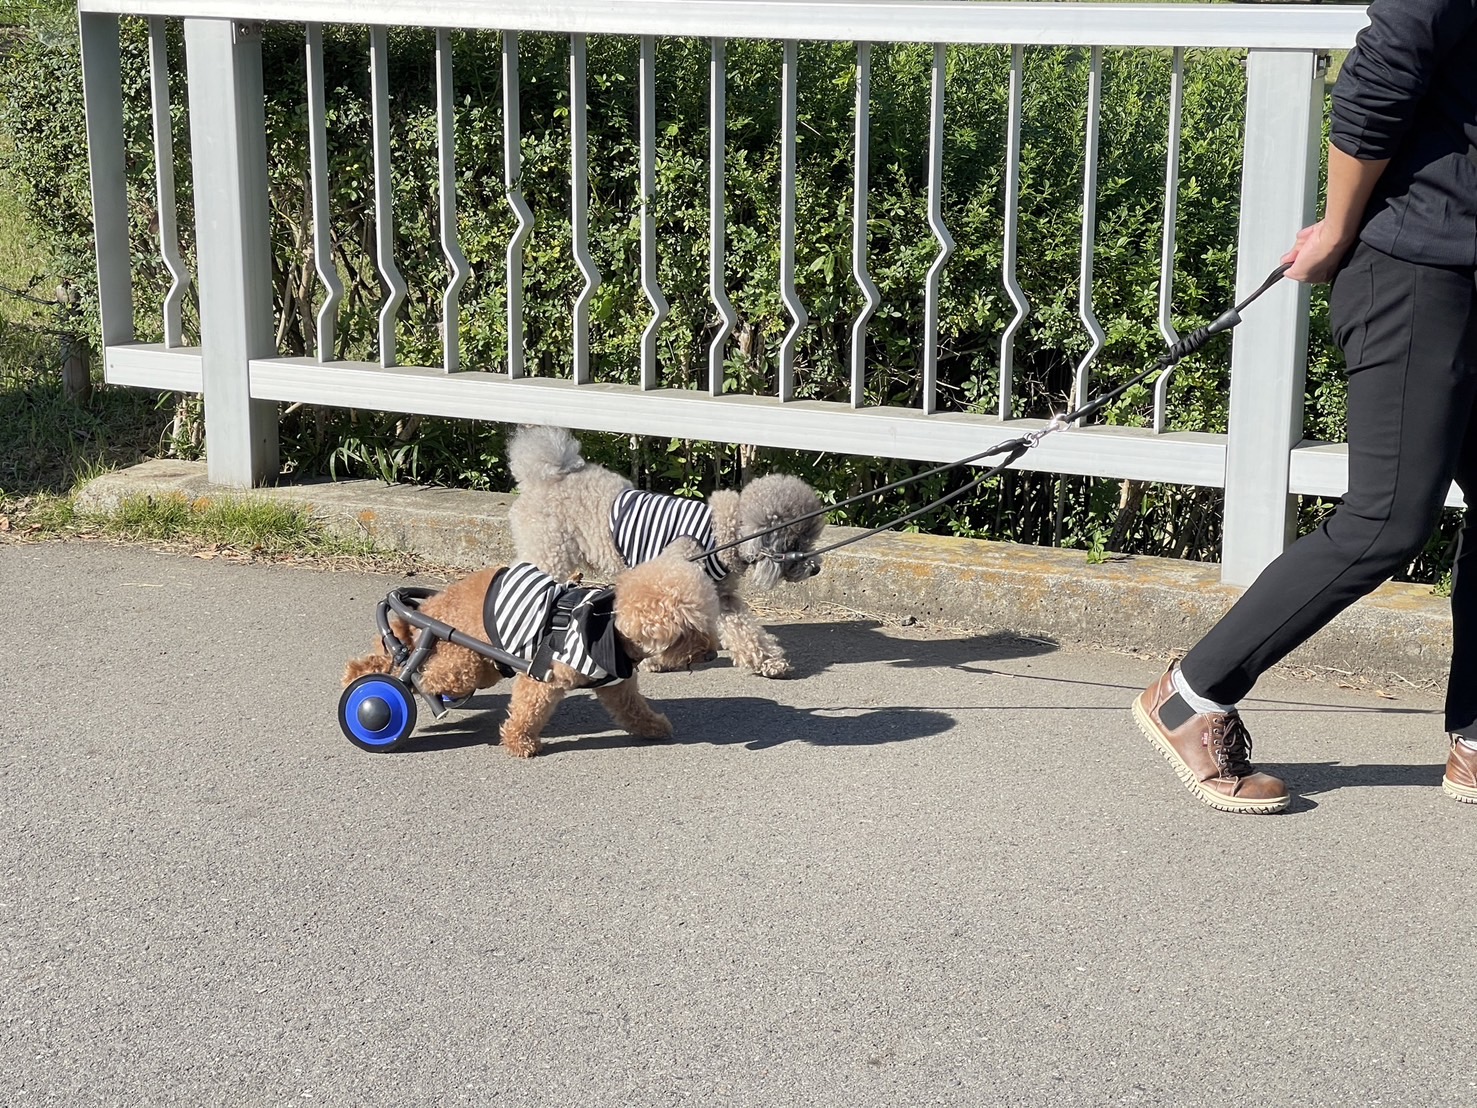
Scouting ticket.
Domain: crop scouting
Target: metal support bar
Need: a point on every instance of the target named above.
(1166, 254)
(1269, 354)
(450, 239)
(788, 292)
(169, 249)
(1012, 234)
(384, 195)
(579, 208)
(102, 92)
(322, 219)
(233, 239)
(512, 179)
(940, 232)
(861, 172)
(650, 376)
(1089, 227)
(717, 221)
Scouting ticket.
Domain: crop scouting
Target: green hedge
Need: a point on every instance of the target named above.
(42, 108)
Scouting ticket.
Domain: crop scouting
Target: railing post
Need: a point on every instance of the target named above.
(102, 94)
(229, 155)
(1269, 353)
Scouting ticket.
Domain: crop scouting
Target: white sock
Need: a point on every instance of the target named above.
(1470, 744)
(1194, 699)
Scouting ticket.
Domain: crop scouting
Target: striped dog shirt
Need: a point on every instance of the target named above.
(538, 618)
(644, 523)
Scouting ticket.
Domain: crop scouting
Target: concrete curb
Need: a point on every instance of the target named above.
(1401, 633)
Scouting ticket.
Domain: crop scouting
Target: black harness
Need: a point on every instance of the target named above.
(575, 625)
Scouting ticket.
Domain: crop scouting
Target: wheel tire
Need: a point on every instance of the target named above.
(377, 713)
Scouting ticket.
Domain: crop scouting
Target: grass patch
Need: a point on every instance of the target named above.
(245, 525)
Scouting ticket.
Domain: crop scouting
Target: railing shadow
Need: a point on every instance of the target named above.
(1315, 778)
(816, 647)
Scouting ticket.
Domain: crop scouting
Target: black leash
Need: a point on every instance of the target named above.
(1012, 448)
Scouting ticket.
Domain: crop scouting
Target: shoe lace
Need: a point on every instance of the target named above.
(1230, 745)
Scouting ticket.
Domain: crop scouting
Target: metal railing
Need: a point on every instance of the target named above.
(1259, 463)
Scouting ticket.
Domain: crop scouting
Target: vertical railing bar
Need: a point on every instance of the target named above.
(941, 232)
(861, 171)
(512, 179)
(450, 245)
(717, 222)
(1089, 225)
(1012, 234)
(649, 283)
(318, 175)
(1171, 214)
(102, 94)
(384, 195)
(169, 249)
(579, 207)
(788, 292)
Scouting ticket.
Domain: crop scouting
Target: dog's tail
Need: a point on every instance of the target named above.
(378, 662)
(538, 455)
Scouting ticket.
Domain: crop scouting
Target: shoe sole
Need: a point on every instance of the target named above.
(1464, 794)
(1187, 775)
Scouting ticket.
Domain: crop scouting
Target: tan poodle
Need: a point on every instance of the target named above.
(571, 514)
(665, 610)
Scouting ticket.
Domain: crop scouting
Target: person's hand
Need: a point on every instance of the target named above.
(1316, 254)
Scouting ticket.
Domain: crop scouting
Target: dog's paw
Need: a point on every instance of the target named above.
(657, 727)
(651, 665)
(521, 746)
(774, 667)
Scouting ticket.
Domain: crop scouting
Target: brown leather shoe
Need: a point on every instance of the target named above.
(1210, 751)
(1461, 772)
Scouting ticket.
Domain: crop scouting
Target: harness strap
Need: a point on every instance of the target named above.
(561, 619)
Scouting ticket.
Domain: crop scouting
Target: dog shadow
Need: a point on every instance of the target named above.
(814, 648)
(752, 722)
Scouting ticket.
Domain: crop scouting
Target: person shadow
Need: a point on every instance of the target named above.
(755, 723)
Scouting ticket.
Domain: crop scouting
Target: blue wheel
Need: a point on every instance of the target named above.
(377, 713)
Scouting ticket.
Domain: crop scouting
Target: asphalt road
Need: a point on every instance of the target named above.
(932, 870)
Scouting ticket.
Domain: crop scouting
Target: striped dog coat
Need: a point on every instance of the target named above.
(644, 523)
(538, 618)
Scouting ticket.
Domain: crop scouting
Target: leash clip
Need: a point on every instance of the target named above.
(1058, 422)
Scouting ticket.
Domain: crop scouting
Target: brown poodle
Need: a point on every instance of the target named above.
(665, 610)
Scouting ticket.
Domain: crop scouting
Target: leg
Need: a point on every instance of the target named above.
(752, 647)
(455, 672)
(633, 711)
(1461, 687)
(529, 709)
(1409, 334)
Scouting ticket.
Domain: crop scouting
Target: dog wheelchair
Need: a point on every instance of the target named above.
(377, 711)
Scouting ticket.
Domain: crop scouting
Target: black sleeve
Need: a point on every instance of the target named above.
(1389, 70)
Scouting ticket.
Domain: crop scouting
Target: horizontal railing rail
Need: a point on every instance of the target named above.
(1260, 462)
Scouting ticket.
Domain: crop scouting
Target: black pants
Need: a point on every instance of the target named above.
(1409, 336)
